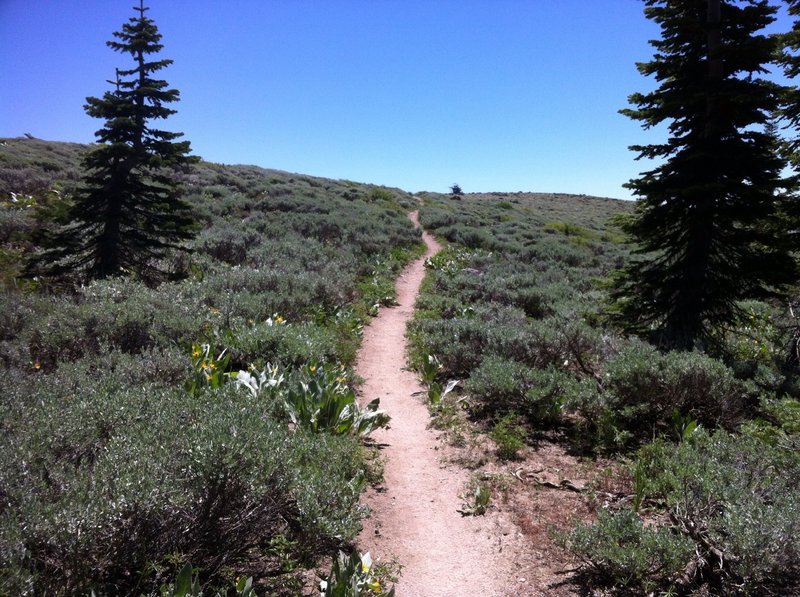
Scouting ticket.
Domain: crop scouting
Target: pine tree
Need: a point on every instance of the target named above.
(790, 60)
(128, 213)
(707, 225)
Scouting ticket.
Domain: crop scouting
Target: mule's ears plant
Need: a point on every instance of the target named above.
(430, 369)
(322, 401)
(270, 378)
(478, 502)
(683, 426)
(352, 576)
(436, 394)
(187, 584)
(209, 371)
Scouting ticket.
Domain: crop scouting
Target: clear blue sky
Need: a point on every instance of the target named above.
(495, 95)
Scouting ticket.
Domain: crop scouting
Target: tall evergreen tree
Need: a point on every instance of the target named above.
(707, 224)
(128, 212)
(790, 60)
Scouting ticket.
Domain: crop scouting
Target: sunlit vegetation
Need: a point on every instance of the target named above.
(515, 307)
(128, 447)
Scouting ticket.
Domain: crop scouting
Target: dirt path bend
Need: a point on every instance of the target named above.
(415, 520)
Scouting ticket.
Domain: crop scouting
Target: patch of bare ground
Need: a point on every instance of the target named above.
(551, 489)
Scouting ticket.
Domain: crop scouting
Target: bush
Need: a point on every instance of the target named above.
(619, 551)
(644, 387)
(111, 482)
(291, 345)
(736, 498)
(503, 386)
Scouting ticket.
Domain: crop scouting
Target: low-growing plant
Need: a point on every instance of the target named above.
(430, 369)
(352, 576)
(210, 368)
(509, 434)
(187, 584)
(620, 552)
(436, 393)
(270, 379)
(320, 401)
(478, 500)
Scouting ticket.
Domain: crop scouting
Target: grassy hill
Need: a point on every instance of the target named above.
(127, 451)
(124, 453)
(700, 496)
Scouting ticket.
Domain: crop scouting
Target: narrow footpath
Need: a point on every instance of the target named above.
(415, 520)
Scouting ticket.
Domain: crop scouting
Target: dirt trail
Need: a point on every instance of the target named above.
(415, 519)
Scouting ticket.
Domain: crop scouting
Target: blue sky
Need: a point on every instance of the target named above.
(495, 95)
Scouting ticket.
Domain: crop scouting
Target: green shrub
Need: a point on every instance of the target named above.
(619, 551)
(736, 498)
(458, 343)
(291, 345)
(509, 435)
(644, 387)
(111, 483)
(539, 395)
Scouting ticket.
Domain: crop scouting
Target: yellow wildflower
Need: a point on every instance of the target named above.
(37, 365)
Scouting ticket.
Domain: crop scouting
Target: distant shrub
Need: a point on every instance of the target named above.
(500, 385)
(381, 195)
(290, 345)
(471, 237)
(539, 395)
(228, 244)
(458, 343)
(551, 341)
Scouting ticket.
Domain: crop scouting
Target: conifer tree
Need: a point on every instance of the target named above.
(790, 60)
(707, 224)
(128, 212)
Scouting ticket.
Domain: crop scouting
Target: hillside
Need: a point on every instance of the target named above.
(125, 453)
(129, 451)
